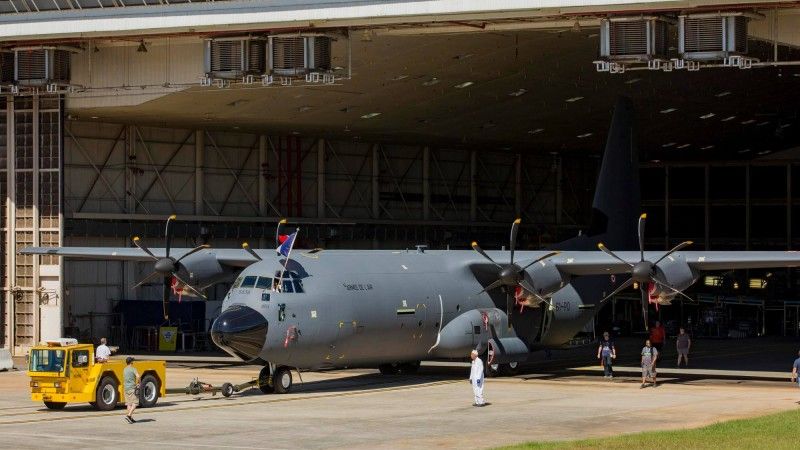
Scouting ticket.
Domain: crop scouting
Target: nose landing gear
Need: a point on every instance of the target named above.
(275, 379)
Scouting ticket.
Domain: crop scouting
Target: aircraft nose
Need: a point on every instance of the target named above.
(240, 331)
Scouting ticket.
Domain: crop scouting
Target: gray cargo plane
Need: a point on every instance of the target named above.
(324, 309)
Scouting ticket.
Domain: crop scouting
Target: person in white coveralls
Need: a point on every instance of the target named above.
(476, 378)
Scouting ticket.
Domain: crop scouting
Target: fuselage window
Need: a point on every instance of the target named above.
(287, 286)
(248, 282)
(237, 283)
(298, 286)
(264, 283)
(290, 283)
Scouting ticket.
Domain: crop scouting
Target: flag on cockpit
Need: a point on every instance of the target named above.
(287, 245)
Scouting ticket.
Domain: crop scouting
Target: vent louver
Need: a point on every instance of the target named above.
(293, 56)
(233, 58)
(634, 39)
(40, 66)
(6, 67)
(712, 37)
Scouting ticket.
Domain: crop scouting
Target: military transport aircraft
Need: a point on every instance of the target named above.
(324, 309)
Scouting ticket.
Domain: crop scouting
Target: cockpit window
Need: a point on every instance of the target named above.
(290, 283)
(237, 283)
(264, 283)
(248, 282)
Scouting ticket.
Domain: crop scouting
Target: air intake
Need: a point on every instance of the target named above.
(6, 67)
(235, 57)
(40, 66)
(709, 37)
(634, 39)
(295, 55)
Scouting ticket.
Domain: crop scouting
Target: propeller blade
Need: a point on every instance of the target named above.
(672, 289)
(137, 242)
(189, 287)
(619, 289)
(545, 256)
(611, 254)
(494, 285)
(165, 297)
(168, 234)
(247, 248)
(478, 249)
(642, 219)
(146, 279)
(645, 306)
(509, 307)
(192, 251)
(278, 229)
(512, 243)
(674, 249)
(527, 286)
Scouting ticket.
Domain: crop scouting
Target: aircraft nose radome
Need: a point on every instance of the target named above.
(241, 331)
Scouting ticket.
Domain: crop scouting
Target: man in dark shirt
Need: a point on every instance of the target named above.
(606, 353)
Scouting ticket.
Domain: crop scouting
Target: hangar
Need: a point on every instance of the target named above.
(383, 125)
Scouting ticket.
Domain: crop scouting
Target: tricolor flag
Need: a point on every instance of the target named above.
(287, 244)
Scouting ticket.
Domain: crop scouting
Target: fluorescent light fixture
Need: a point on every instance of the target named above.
(757, 283)
(713, 280)
(305, 108)
(633, 80)
(723, 93)
(707, 116)
(728, 119)
(761, 124)
(668, 144)
(747, 150)
(707, 147)
(573, 99)
(400, 77)
(463, 85)
(536, 131)
(517, 93)
(748, 121)
(584, 135)
(683, 145)
(764, 152)
(668, 110)
(370, 115)
(431, 82)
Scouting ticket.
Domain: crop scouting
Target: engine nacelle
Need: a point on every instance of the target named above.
(202, 269)
(507, 350)
(546, 278)
(673, 271)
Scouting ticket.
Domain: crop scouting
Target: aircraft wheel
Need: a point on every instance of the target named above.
(282, 380)
(389, 369)
(227, 389)
(55, 405)
(409, 368)
(492, 370)
(509, 369)
(265, 381)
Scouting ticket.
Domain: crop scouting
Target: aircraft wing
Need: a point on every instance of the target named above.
(226, 256)
(598, 263)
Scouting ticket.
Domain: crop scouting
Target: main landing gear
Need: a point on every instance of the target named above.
(275, 379)
(406, 368)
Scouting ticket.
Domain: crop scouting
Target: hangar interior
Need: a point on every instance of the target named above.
(435, 133)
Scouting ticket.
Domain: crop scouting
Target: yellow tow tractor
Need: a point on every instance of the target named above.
(63, 371)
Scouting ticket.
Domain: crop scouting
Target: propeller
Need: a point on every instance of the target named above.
(167, 267)
(644, 271)
(511, 274)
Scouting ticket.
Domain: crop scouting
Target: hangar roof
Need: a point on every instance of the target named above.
(519, 90)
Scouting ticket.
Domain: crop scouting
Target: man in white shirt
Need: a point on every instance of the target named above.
(103, 352)
(476, 378)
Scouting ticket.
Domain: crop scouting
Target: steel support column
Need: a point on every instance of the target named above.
(473, 188)
(426, 183)
(747, 207)
(706, 208)
(199, 178)
(376, 173)
(320, 178)
(518, 188)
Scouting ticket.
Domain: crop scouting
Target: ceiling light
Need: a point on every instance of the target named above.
(707, 147)
(464, 56)
(400, 77)
(431, 82)
(633, 80)
(370, 115)
(655, 161)
(723, 93)
(707, 116)
(747, 150)
(488, 125)
(786, 125)
(536, 131)
(236, 128)
(95, 117)
(576, 27)
(305, 108)
(142, 48)
(593, 35)
(295, 133)
(518, 92)
(728, 119)
(761, 124)
(747, 122)
(668, 144)
(584, 135)
(668, 110)
(573, 99)
(764, 152)
(463, 85)
(683, 145)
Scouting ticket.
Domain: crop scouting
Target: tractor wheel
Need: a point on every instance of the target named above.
(107, 394)
(148, 394)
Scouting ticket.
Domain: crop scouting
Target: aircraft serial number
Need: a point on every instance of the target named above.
(357, 286)
(563, 306)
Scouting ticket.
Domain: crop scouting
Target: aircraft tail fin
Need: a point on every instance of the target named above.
(617, 204)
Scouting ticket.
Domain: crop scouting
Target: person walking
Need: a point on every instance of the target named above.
(796, 369)
(683, 344)
(476, 379)
(649, 357)
(606, 353)
(657, 336)
(131, 379)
